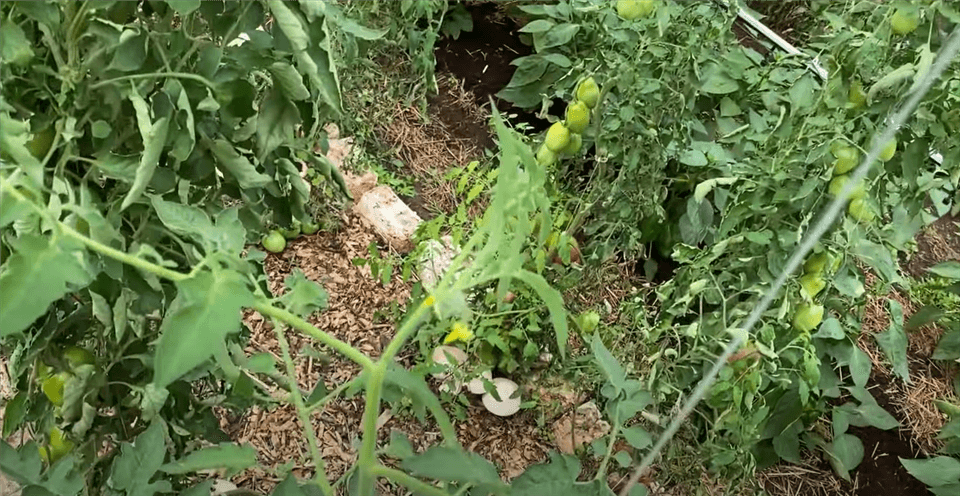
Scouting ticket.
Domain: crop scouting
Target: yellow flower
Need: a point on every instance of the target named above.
(458, 332)
(428, 301)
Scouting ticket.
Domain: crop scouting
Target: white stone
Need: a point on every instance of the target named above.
(436, 259)
(391, 219)
(507, 405)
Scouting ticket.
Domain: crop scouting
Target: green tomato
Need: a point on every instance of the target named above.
(860, 210)
(557, 137)
(578, 117)
(888, 151)
(293, 232)
(634, 9)
(274, 242)
(812, 284)
(588, 92)
(76, 357)
(573, 147)
(837, 184)
(588, 321)
(904, 22)
(856, 97)
(808, 317)
(847, 159)
(309, 228)
(816, 263)
(52, 387)
(545, 156)
(41, 142)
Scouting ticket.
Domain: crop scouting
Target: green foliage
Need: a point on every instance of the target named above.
(719, 158)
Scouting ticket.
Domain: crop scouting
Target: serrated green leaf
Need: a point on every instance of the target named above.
(893, 342)
(638, 437)
(934, 472)
(296, 32)
(926, 315)
(399, 446)
(231, 162)
(288, 487)
(15, 48)
(62, 479)
(303, 296)
(830, 329)
(28, 286)
(609, 365)
(138, 461)
(13, 413)
(23, 465)
(454, 465)
(14, 134)
(289, 81)
(225, 456)
(276, 123)
(554, 301)
(131, 51)
(207, 307)
(154, 135)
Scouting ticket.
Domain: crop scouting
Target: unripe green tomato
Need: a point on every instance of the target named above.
(904, 22)
(577, 117)
(812, 284)
(847, 159)
(76, 356)
(634, 9)
(888, 151)
(557, 137)
(808, 317)
(816, 263)
(837, 184)
(573, 147)
(309, 228)
(860, 210)
(545, 156)
(274, 242)
(52, 387)
(856, 97)
(588, 92)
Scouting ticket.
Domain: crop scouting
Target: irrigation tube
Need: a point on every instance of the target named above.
(946, 55)
(785, 45)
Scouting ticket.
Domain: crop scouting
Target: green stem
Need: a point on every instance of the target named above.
(366, 460)
(602, 471)
(415, 485)
(302, 412)
(181, 75)
(303, 326)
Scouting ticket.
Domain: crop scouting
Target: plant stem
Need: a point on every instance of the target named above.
(602, 471)
(305, 327)
(371, 411)
(181, 75)
(302, 412)
(415, 485)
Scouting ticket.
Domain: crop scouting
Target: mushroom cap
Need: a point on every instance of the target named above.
(450, 385)
(505, 389)
(475, 386)
(439, 357)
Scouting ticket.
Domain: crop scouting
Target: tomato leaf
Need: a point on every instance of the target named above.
(232, 457)
(454, 465)
(138, 462)
(28, 285)
(207, 308)
(934, 472)
(893, 342)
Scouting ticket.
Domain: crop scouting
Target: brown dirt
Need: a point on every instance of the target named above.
(454, 132)
(481, 58)
(938, 242)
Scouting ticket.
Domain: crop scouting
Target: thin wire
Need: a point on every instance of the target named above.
(944, 58)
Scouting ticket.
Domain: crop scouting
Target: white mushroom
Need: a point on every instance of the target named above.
(448, 356)
(506, 406)
(475, 386)
(451, 385)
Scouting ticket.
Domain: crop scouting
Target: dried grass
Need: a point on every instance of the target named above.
(804, 479)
